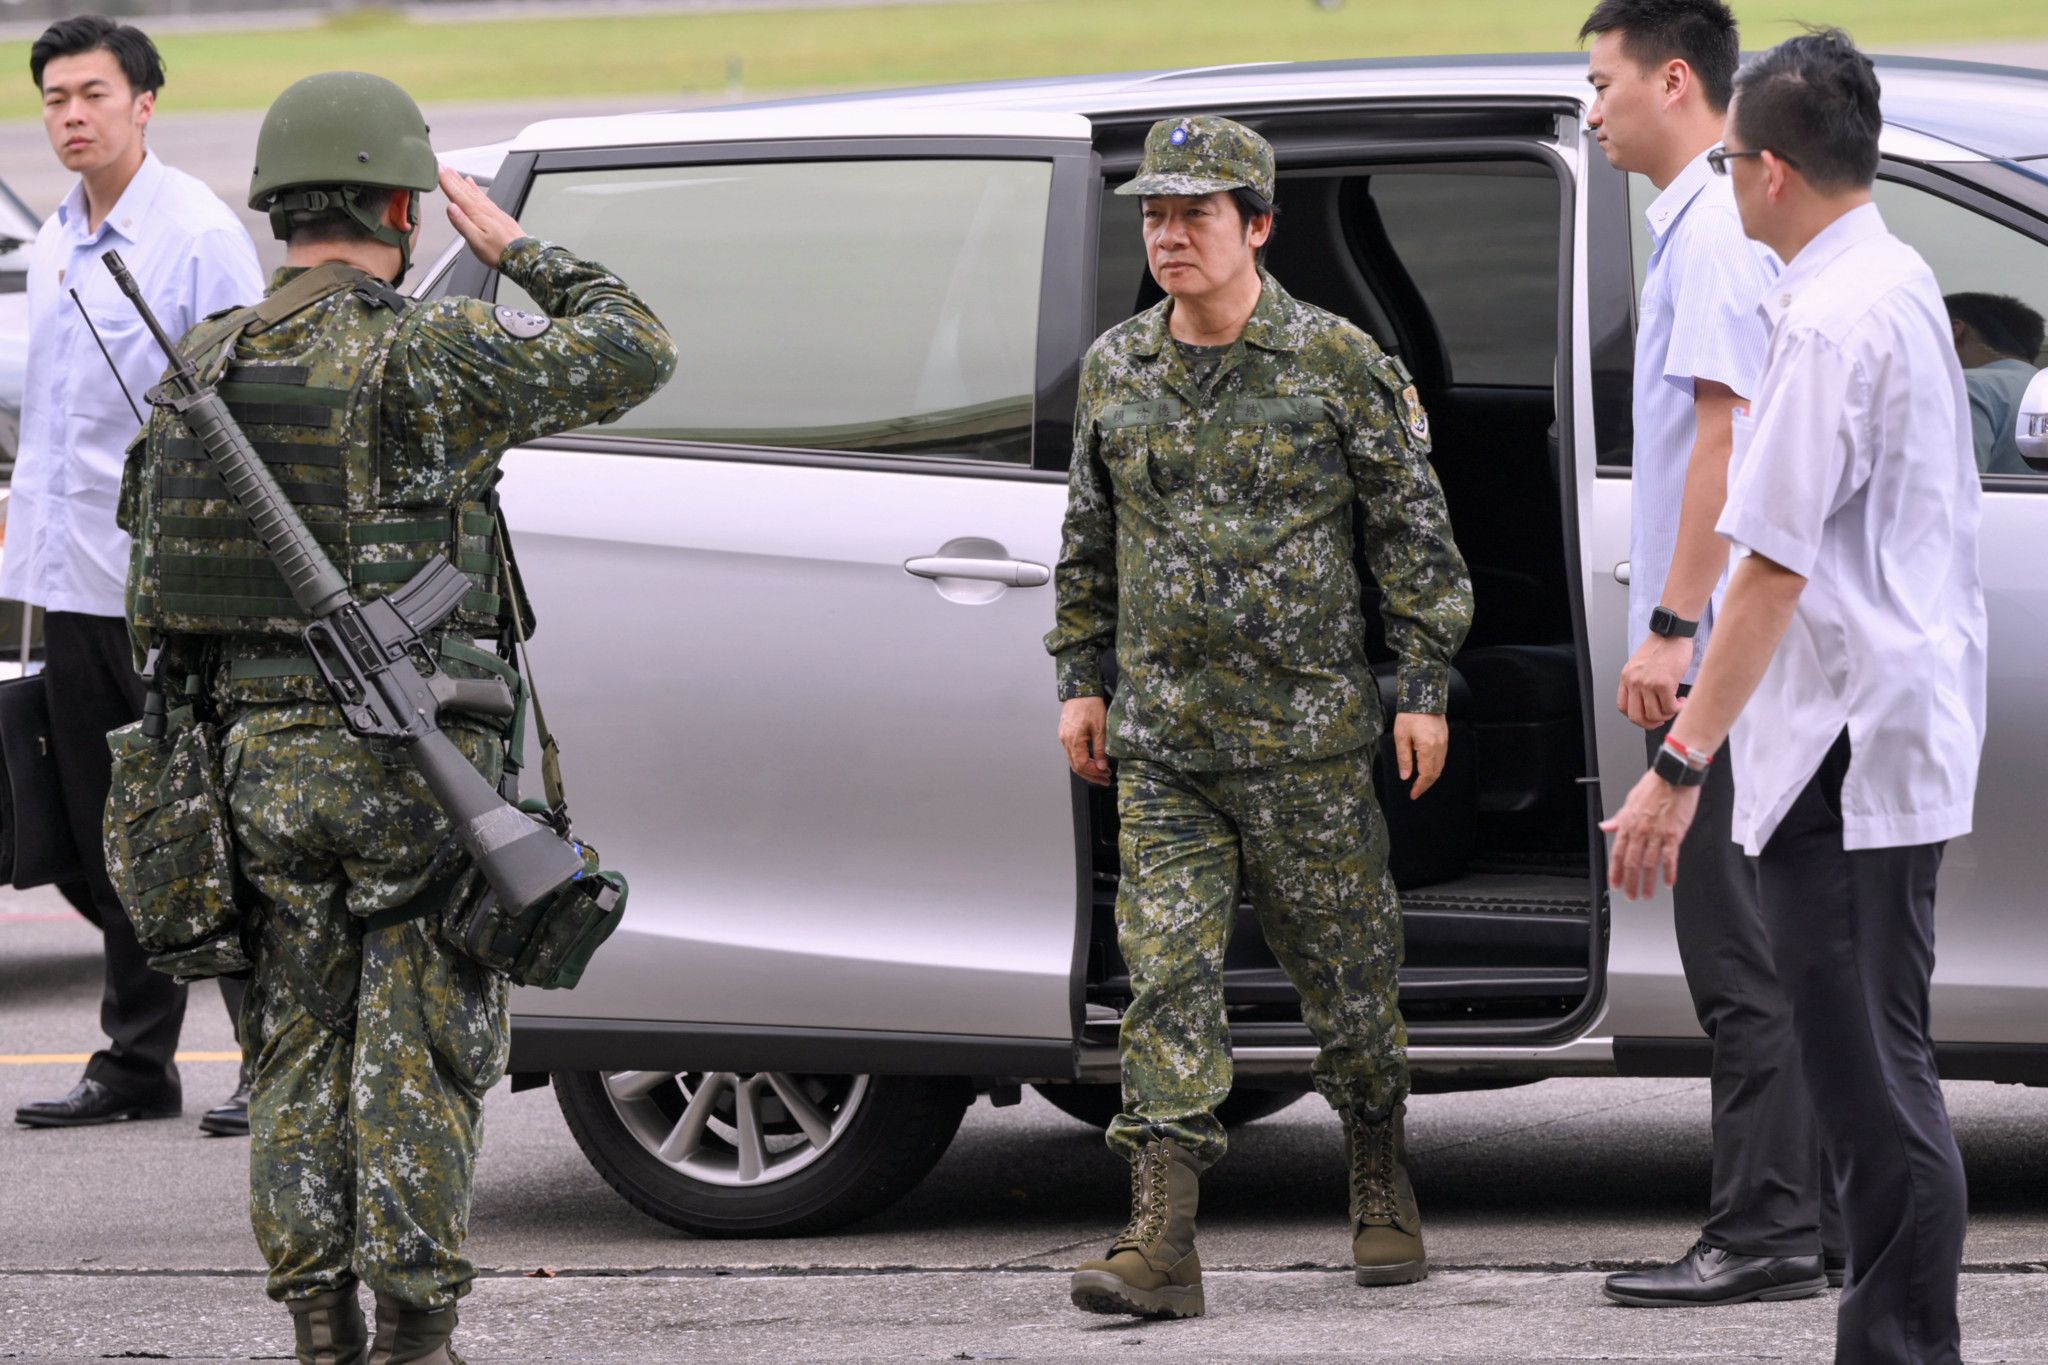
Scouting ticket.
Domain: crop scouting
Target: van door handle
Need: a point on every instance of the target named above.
(1621, 572)
(1017, 573)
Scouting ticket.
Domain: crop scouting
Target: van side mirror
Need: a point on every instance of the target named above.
(2033, 424)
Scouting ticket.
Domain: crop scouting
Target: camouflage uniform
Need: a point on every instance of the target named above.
(1209, 540)
(373, 1050)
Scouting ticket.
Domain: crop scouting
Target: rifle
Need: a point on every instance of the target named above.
(374, 657)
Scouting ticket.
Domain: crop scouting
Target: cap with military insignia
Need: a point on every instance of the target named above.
(1202, 155)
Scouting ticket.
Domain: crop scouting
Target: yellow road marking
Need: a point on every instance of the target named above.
(81, 1058)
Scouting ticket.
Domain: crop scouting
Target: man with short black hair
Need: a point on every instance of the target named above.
(1662, 71)
(1223, 441)
(1852, 649)
(1998, 341)
(191, 256)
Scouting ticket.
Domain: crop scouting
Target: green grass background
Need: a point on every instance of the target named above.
(689, 55)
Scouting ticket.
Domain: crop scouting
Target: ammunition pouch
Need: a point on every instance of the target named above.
(170, 851)
(549, 943)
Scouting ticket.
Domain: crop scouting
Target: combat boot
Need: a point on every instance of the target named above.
(413, 1336)
(1386, 1225)
(328, 1329)
(1151, 1270)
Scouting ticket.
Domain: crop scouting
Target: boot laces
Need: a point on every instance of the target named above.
(1372, 1170)
(1148, 1200)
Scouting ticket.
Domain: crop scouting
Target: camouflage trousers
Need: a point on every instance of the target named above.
(371, 1051)
(1307, 843)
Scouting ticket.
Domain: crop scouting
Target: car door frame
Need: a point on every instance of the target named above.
(1383, 130)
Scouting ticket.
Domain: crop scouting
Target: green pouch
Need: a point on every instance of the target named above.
(170, 851)
(551, 942)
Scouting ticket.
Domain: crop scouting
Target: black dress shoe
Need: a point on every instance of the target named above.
(90, 1102)
(1709, 1276)
(231, 1118)
(1836, 1268)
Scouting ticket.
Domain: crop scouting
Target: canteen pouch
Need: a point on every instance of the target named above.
(170, 851)
(549, 944)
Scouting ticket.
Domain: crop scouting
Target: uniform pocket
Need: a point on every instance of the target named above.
(1288, 448)
(169, 851)
(464, 1009)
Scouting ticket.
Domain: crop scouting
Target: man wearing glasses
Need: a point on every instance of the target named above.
(1852, 649)
(1663, 71)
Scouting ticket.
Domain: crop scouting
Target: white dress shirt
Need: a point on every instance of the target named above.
(191, 256)
(1698, 319)
(1855, 470)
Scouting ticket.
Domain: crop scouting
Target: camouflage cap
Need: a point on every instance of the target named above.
(1201, 155)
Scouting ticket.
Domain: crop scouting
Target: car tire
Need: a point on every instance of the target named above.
(1096, 1105)
(880, 1136)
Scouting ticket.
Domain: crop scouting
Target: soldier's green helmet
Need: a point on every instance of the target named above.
(1203, 155)
(330, 136)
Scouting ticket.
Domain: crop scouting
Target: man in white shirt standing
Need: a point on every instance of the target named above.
(1662, 72)
(1851, 646)
(192, 257)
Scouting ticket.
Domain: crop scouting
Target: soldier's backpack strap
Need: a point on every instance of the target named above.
(519, 618)
(317, 285)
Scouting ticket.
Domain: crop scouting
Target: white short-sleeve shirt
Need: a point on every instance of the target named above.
(1697, 319)
(1855, 470)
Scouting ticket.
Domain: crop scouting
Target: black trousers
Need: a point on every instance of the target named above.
(1853, 938)
(93, 688)
(1770, 1194)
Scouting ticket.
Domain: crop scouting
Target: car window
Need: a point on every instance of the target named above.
(1482, 248)
(877, 307)
(1479, 241)
(1971, 253)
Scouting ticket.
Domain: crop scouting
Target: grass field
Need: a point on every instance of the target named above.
(826, 49)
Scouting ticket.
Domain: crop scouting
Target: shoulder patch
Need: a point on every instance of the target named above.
(514, 322)
(1418, 420)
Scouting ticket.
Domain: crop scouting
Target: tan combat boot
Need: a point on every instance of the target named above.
(328, 1328)
(412, 1336)
(1386, 1225)
(1152, 1270)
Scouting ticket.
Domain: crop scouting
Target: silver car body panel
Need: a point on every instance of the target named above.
(839, 788)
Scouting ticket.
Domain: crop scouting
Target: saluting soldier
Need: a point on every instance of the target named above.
(1222, 440)
(373, 1039)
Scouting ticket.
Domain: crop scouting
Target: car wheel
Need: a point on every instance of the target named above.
(760, 1153)
(1096, 1105)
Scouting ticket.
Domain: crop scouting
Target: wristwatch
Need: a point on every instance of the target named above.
(1680, 766)
(1670, 625)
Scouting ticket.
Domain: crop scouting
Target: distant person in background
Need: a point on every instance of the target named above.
(192, 257)
(1998, 340)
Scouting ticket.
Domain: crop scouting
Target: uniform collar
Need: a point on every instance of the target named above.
(1669, 206)
(1852, 229)
(130, 217)
(1267, 328)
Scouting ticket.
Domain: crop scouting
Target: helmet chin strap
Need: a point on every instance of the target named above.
(377, 227)
(349, 199)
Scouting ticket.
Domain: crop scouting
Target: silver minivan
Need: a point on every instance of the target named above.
(791, 607)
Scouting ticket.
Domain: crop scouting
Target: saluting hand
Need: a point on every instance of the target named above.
(1420, 742)
(487, 228)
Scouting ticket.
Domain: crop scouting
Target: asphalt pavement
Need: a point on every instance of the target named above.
(132, 1241)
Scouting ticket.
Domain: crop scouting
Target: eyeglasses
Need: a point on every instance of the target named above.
(1719, 157)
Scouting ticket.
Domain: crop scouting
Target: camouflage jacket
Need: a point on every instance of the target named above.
(462, 382)
(1209, 539)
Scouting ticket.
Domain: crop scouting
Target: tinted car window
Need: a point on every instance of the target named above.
(1480, 243)
(1482, 248)
(1970, 253)
(864, 307)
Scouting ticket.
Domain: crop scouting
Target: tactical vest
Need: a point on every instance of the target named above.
(314, 415)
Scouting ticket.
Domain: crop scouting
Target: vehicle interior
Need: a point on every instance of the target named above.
(1449, 253)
